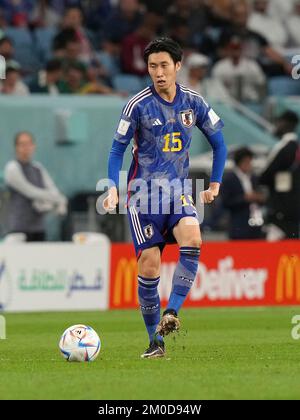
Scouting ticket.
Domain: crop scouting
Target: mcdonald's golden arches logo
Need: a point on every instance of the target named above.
(125, 291)
(288, 278)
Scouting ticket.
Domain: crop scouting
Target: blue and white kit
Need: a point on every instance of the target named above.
(162, 133)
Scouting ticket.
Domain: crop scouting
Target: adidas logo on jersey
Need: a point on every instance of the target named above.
(157, 122)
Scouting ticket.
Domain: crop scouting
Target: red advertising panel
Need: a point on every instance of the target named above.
(244, 273)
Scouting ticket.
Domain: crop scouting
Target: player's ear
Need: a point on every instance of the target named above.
(178, 65)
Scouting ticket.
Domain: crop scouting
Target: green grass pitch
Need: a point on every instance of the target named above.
(221, 353)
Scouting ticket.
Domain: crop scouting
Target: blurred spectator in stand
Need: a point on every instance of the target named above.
(217, 19)
(43, 15)
(280, 9)
(282, 176)
(46, 80)
(71, 52)
(221, 12)
(76, 81)
(133, 45)
(194, 75)
(293, 26)
(96, 12)
(180, 32)
(255, 46)
(60, 6)
(123, 20)
(3, 23)
(156, 6)
(13, 84)
(17, 12)
(242, 199)
(267, 26)
(96, 83)
(32, 191)
(7, 49)
(179, 9)
(60, 41)
(72, 27)
(243, 78)
(185, 17)
(109, 57)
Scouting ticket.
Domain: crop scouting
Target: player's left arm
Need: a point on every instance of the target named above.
(211, 125)
(218, 145)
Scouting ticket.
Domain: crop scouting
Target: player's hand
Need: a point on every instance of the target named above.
(208, 196)
(111, 201)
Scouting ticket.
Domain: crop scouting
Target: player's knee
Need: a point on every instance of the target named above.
(149, 269)
(149, 264)
(194, 242)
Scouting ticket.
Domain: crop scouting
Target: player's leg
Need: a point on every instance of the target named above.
(145, 230)
(148, 280)
(188, 236)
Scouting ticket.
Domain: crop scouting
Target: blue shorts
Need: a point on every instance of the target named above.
(149, 230)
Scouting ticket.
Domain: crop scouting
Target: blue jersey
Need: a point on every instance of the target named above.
(162, 132)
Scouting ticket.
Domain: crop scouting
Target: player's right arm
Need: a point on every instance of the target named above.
(123, 135)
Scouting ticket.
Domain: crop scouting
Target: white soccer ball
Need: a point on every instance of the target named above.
(80, 343)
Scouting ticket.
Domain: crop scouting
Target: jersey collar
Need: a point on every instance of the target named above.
(160, 99)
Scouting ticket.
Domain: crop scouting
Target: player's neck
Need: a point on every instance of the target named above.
(167, 94)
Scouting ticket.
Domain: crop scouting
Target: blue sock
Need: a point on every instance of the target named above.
(149, 303)
(184, 276)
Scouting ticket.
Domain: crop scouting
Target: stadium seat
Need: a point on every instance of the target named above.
(25, 52)
(43, 39)
(110, 64)
(127, 82)
(283, 86)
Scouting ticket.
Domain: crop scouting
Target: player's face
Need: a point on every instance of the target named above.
(162, 70)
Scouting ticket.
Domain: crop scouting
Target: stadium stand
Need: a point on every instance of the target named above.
(283, 86)
(25, 48)
(43, 41)
(132, 83)
(71, 128)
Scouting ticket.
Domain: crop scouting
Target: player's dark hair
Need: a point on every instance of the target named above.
(164, 45)
(241, 154)
(20, 133)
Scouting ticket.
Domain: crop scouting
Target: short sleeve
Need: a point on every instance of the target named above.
(127, 126)
(207, 120)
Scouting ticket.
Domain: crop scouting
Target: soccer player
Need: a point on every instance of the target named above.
(161, 119)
